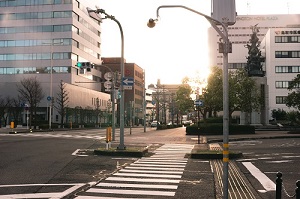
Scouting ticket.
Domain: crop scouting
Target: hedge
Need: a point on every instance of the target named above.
(217, 129)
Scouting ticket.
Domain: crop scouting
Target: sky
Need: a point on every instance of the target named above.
(177, 46)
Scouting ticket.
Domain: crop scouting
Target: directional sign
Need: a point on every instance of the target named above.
(198, 103)
(127, 81)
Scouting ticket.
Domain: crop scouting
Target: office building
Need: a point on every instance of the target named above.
(282, 52)
(240, 34)
(45, 40)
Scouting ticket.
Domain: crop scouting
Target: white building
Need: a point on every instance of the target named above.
(37, 36)
(240, 33)
(282, 52)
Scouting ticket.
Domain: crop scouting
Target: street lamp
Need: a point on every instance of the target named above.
(95, 15)
(50, 97)
(152, 22)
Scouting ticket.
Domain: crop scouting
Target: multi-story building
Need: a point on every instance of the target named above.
(45, 40)
(282, 52)
(134, 96)
(240, 34)
(164, 97)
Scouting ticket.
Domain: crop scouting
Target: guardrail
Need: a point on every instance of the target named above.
(280, 187)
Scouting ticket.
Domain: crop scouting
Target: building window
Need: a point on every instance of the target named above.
(282, 84)
(287, 39)
(287, 54)
(287, 69)
(280, 99)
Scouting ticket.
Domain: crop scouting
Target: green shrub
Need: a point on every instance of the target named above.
(217, 129)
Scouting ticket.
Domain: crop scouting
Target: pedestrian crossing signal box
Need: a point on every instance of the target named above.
(224, 11)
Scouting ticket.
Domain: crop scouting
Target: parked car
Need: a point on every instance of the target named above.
(154, 124)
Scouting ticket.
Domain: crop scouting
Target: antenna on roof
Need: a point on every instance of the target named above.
(248, 8)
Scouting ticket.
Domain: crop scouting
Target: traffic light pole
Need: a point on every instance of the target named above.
(98, 18)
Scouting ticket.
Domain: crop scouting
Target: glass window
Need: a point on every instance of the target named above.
(295, 54)
(277, 39)
(57, 14)
(10, 71)
(47, 28)
(20, 43)
(10, 57)
(280, 99)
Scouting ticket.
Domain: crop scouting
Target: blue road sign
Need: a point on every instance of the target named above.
(127, 81)
(198, 103)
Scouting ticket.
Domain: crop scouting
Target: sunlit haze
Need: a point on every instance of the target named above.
(177, 46)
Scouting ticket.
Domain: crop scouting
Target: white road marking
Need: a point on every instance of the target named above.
(142, 180)
(149, 171)
(146, 186)
(147, 175)
(135, 192)
(268, 184)
(41, 195)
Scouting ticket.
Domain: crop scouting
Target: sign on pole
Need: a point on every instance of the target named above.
(127, 83)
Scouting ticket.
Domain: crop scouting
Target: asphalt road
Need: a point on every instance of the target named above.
(44, 160)
(270, 156)
(61, 162)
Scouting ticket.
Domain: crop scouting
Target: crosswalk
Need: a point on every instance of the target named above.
(156, 176)
(98, 136)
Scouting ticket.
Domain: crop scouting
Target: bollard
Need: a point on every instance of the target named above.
(278, 185)
(297, 190)
(108, 137)
(12, 125)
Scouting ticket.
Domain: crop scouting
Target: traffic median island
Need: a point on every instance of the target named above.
(131, 151)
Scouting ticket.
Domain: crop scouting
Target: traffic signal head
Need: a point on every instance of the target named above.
(83, 64)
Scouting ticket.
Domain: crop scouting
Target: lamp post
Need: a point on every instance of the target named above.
(50, 98)
(152, 22)
(92, 14)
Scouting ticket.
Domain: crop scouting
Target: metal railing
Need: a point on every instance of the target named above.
(280, 187)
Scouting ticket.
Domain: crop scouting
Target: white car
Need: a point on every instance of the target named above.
(154, 124)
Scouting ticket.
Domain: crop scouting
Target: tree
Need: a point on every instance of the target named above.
(183, 99)
(30, 90)
(213, 94)
(16, 109)
(293, 98)
(279, 114)
(243, 93)
(62, 101)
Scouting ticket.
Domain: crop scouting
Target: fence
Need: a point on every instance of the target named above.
(280, 187)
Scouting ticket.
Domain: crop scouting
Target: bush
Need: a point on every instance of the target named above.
(217, 129)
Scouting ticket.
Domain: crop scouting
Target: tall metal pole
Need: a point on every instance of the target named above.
(51, 91)
(101, 11)
(121, 145)
(224, 36)
(144, 102)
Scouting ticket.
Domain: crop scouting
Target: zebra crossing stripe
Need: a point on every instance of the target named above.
(158, 165)
(131, 192)
(149, 171)
(160, 162)
(157, 168)
(146, 186)
(147, 175)
(160, 180)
